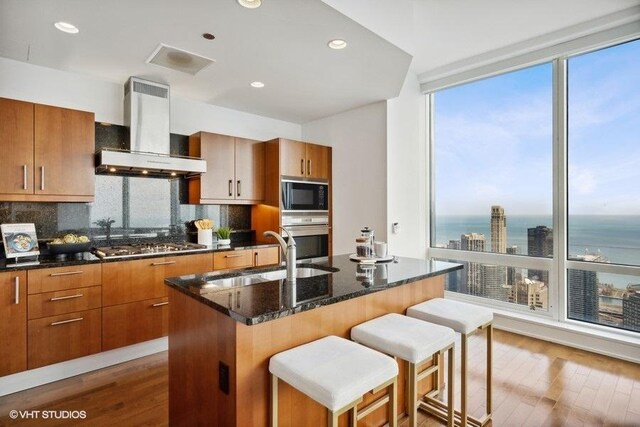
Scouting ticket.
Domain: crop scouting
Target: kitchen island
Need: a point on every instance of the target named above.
(221, 339)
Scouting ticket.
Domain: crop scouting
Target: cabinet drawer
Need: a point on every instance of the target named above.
(266, 256)
(232, 259)
(61, 278)
(135, 322)
(62, 302)
(58, 338)
(138, 280)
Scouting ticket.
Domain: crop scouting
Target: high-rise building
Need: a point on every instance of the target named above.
(498, 230)
(631, 309)
(493, 282)
(582, 295)
(453, 244)
(473, 242)
(511, 271)
(540, 244)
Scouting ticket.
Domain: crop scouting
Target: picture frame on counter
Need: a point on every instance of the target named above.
(20, 243)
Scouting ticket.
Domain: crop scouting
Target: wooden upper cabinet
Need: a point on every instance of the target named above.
(64, 152)
(293, 156)
(235, 169)
(16, 144)
(13, 324)
(304, 160)
(48, 153)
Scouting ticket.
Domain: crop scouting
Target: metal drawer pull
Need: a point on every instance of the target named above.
(42, 178)
(163, 263)
(17, 288)
(160, 304)
(66, 273)
(302, 166)
(308, 167)
(233, 256)
(24, 177)
(62, 322)
(230, 192)
(238, 188)
(67, 297)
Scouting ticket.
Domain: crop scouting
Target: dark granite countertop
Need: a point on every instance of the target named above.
(48, 261)
(269, 300)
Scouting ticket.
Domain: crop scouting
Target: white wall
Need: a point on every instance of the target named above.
(359, 141)
(406, 170)
(19, 80)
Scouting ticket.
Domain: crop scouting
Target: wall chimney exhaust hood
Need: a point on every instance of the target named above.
(146, 114)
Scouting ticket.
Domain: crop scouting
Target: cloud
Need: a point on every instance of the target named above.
(581, 180)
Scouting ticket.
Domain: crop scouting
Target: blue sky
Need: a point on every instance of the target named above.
(493, 139)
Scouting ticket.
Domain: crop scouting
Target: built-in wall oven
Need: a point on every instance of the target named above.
(304, 196)
(311, 233)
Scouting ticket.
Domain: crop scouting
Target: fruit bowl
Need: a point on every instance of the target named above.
(68, 248)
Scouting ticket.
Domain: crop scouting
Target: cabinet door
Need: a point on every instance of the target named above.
(16, 145)
(127, 324)
(129, 281)
(13, 322)
(293, 158)
(266, 256)
(64, 337)
(232, 259)
(318, 161)
(218, 183)
(249, 169)
(64, 142)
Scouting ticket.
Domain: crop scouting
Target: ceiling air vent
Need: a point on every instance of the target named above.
(179, 60)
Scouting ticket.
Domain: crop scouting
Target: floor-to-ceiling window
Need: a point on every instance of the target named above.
(535, 187)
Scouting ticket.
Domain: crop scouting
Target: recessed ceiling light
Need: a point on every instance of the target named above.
(66, 27)
(250, 4)
(337, 44)
(257, 84)
(208, 36)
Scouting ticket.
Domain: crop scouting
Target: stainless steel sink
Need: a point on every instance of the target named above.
(232, 282)
(300, 272)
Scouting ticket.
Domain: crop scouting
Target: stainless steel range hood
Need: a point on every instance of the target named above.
(146, 114)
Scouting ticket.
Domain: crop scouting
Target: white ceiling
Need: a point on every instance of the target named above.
(283, 44)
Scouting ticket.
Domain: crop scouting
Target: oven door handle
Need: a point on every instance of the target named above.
(308, 230)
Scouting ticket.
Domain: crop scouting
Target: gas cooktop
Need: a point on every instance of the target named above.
(141, 249)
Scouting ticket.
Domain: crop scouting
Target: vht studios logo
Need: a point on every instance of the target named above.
(48, 415)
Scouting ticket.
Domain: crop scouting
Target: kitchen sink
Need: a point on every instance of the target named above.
(300, 272)
(232, 282)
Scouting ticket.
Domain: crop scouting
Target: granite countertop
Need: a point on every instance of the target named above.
(269, 300)
(48, 261)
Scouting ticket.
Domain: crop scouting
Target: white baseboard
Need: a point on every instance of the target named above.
(47, 374)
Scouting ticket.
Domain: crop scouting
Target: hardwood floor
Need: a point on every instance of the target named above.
(536, 383)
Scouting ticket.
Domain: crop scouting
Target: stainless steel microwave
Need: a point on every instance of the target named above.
(307, 196)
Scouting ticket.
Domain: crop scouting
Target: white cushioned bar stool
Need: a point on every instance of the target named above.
(336, 373)
(415, 342)
(465, 319)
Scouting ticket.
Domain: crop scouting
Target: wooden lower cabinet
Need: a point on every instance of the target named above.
(266, 256)
(232, 259)
(135, 322)
(63, 337)
(13, 322)
(61, 278)
(62, 302)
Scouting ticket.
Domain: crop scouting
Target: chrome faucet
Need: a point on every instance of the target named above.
(288, 250)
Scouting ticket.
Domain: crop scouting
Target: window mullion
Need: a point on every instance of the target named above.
(558, 288)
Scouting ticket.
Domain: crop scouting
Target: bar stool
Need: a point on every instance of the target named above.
(465, 319)
(336, 373)
(415, 342)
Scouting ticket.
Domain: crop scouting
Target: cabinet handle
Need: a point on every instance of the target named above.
(302, 166)
(62, 322)
(163, 263)
(232, 256)
(17, 289)
(238, 188)
(160, 304)
(41, 178)
(66, 273)
(67, 297)
(230, 191)
(255, 258)
(308, 167)
(24, 177)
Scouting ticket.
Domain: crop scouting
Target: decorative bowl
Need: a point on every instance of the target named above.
(68, 248)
